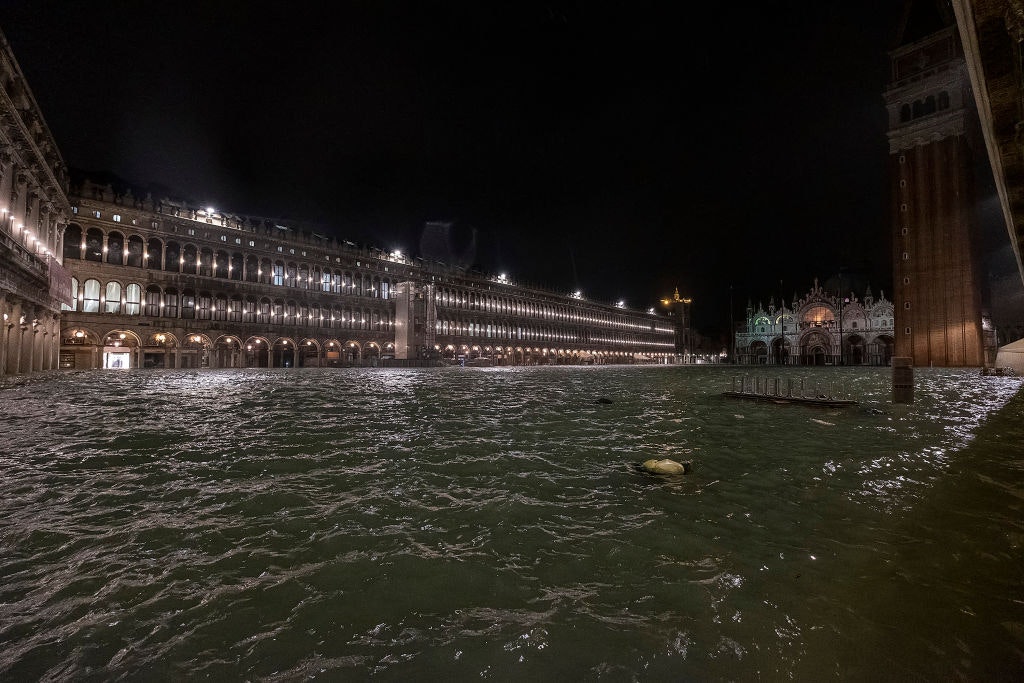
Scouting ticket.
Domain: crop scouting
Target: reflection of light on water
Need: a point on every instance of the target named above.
(386, 520)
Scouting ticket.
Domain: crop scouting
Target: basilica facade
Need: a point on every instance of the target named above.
(822, 328)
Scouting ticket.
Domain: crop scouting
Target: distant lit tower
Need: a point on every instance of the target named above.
(937, 274)
(679, 309)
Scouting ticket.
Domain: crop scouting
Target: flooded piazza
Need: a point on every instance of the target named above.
(493, 523)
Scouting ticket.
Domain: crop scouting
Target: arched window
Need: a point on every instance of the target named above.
(252, 269)
(91, 296)
(263, 311)
(221, 263)
(154, 250)
(133, 298)
(204, 306)
(188, 304)
(235, 309)
(74, 297)
(172, 259)
(236, 267)
(115, 249)
(220, 307)
(171, 303)
(135, 251)
(94, 245)
(189, 262)
(113, 298)
(73, 242)
(153, 301)
(249, 310)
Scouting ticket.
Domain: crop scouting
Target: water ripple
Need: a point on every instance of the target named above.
(285, 525)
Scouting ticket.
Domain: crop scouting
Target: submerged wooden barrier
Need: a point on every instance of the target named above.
(772, 392)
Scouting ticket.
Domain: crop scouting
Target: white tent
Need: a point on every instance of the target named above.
(1012, 356)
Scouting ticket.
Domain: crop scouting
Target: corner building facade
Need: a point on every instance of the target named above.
(33, 214)
(160, 284)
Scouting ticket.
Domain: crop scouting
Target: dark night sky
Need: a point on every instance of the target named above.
(622, 148)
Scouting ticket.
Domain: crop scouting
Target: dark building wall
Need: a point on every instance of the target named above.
(937, 272)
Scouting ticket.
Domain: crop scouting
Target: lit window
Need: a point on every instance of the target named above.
(74, 210)
(251, 243)
(223, 238)
(96, 214)
(117, 218)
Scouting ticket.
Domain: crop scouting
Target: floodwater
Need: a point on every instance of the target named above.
(464, 523)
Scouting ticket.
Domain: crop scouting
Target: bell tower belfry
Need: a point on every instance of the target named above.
(937, 274)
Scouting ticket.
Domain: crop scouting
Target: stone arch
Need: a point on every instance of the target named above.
(856, 350)
(256, 352)
(759, 352)
(309, 353)
(284, 353)
(74, 243)
(815, 349)
(352, 351)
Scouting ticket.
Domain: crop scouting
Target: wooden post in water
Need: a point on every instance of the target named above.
(902, 380)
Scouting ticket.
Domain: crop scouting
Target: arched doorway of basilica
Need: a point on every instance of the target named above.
(780, 351)
(881, 350)
(815, 349)
(759, 353)
(855, 350)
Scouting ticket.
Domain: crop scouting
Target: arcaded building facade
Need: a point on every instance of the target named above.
(159, 284)
(821, 328)
(97, 277)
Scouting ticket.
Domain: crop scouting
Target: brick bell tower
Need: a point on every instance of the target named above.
(937, 274)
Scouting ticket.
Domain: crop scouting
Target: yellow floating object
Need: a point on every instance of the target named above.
(666, 466)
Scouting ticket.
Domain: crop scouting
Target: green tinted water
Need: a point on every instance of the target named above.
(462, 523)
